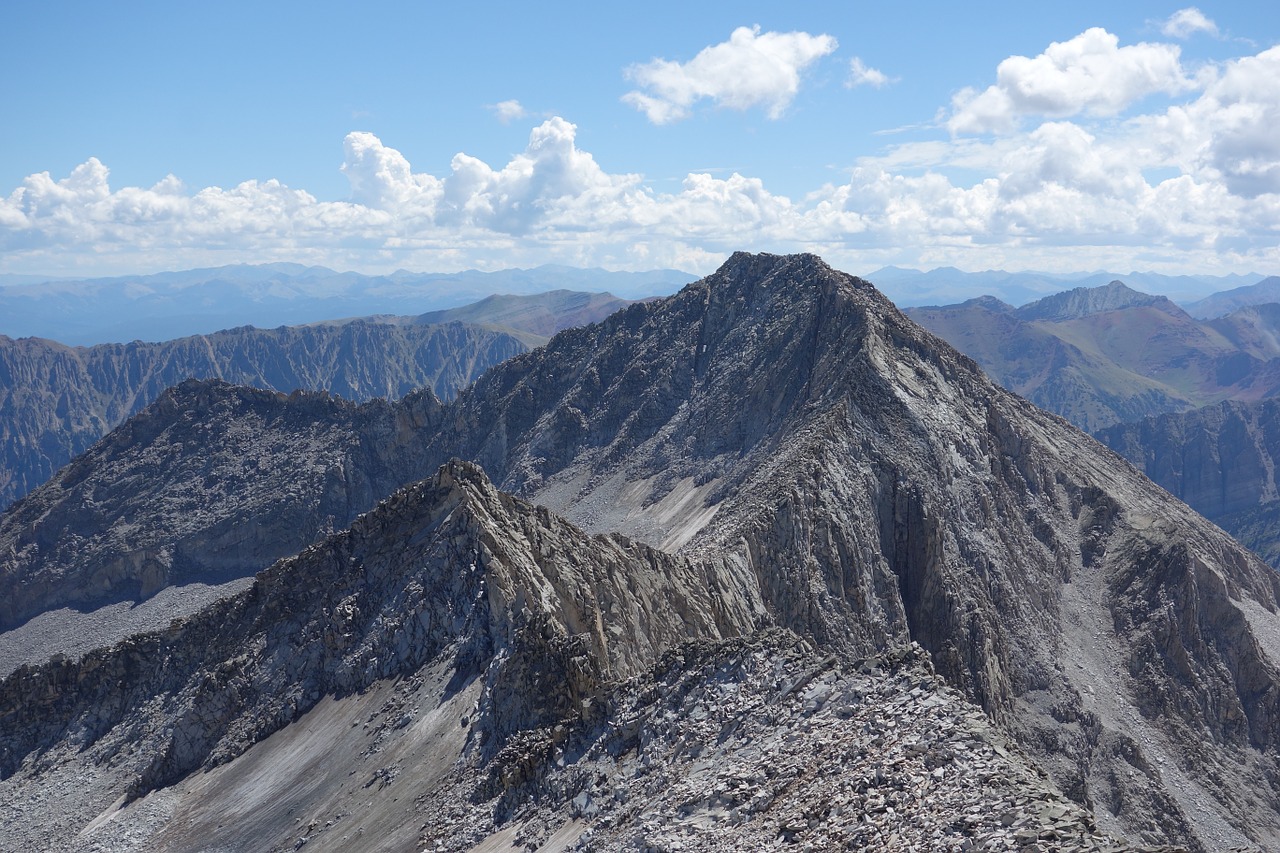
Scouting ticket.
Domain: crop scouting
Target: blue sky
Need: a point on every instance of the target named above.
(148, 136)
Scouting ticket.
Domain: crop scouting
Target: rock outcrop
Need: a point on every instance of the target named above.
(1220, 459)
(819, 464)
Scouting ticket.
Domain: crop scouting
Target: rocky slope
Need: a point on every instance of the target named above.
(1221, 460)
(55, 400)
(527, 615)
(441, 676)
(211, 483)
(837, 472)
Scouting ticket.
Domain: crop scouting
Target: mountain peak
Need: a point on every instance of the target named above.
(1083, 301)
(783, 279)
(762, 266)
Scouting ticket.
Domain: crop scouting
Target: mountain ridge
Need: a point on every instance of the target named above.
(869, 487)
(912, 288)
(56, 400)
(1082, 301)
(1107, 355)
(1224, 302)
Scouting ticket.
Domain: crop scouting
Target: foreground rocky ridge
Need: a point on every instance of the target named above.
(840, 473)
(532, 613)
(762, 743)
(492, 705)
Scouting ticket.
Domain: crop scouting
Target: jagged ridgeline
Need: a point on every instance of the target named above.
(799, 461)
(56, 400)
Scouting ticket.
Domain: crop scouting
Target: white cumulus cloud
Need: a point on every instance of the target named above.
(1194, 186)
(381, 178)
(751, 69)
(861, 75)
(1185, 22)
(1228, 134)
(509, 111)
(1090, 74)
(551, 180)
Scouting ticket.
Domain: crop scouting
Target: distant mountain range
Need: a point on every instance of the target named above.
(1224, 302)
(57, 400)
(1111, 354)
(944, 285)
(1192, 402)
(533, 319)
(178, 304)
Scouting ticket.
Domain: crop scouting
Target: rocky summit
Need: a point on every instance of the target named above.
(758, 564)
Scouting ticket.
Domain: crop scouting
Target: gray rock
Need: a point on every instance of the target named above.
(808, 460)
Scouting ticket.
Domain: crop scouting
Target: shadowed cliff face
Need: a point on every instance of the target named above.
(835, 470)
(1221, 460)
(210, 483)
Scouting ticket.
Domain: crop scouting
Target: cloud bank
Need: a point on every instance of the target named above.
(1191, 187)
